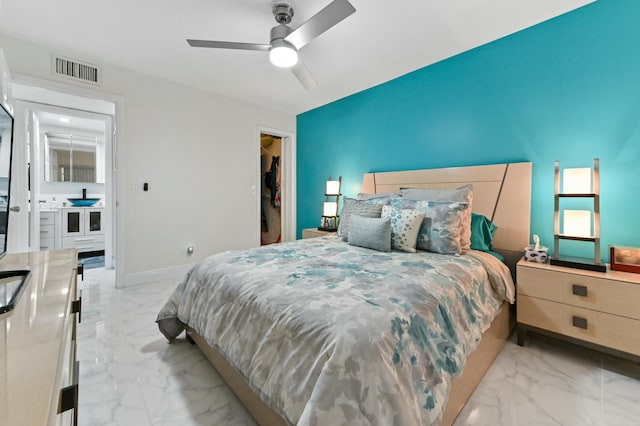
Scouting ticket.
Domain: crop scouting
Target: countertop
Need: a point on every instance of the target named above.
(55, 209)
(33, 335)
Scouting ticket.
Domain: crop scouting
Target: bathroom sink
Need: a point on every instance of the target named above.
(83, 202)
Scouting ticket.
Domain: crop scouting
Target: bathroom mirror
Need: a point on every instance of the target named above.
(73, 158)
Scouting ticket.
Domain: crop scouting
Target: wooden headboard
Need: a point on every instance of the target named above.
(501, 192)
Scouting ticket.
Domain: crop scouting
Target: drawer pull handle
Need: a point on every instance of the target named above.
(76, 308)
(68, 396)
(580, 290)
(580, 322)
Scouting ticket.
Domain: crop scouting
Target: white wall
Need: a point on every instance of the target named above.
(198, 152)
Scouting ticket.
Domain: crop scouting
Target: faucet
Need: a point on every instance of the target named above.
(84, 193)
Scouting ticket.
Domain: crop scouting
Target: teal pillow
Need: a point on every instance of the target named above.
(370, 232)
(482, 230)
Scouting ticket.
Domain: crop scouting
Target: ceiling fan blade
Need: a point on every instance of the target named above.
(332, 14)
(228, 45)
(303, 75)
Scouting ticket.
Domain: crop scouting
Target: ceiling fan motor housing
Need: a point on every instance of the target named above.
(280, 32)
(283, 13)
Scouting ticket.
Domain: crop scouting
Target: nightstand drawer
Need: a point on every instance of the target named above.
(592, 326)
(610, 296)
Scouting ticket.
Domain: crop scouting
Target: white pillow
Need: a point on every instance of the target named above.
(405, 225)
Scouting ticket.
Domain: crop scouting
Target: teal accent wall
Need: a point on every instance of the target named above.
(567, 89)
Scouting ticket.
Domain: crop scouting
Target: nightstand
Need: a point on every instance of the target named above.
(315, 232)
(598, 310)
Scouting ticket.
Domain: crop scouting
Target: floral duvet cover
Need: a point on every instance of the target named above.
(331, 334)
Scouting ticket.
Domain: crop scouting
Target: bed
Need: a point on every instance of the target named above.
(318, 331)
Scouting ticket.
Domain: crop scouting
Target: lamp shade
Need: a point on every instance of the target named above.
(333, 187)
(283, 54)
(576, 181)
(330, 208)
(577, 223)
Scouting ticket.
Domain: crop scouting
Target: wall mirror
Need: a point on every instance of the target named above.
(73, 158)
(72, 148)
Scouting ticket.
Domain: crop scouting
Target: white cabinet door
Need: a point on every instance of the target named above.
(73, 222)
(93, 221)
(83, 229)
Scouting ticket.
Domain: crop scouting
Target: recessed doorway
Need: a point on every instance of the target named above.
(271, 193)
(67, 143)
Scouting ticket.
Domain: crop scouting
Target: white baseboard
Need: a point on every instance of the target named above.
(146, 277)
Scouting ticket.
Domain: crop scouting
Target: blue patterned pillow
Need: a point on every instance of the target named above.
(464, 194)
(405, 225)
(361, 208)
(369, 232)
(441, 227)
(381, 198)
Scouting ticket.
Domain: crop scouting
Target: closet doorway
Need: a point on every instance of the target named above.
(271, 186)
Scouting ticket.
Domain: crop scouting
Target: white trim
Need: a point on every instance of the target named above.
(155, 275)
(288, 165)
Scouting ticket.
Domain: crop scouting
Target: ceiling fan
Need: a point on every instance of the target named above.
(286, 41)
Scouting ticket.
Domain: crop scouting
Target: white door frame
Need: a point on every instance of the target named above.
(287, 182)
(18, 231)
(115, 186)
(36, 167)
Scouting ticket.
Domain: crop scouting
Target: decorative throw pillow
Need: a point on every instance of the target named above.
(441, 227)
(361, 208)
(405, 225)
(369, 232)
(382, 198)
(463, 194)
(482, 230)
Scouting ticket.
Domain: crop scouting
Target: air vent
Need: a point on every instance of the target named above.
(76, 70)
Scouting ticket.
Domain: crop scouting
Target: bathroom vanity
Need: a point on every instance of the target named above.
(81, 228)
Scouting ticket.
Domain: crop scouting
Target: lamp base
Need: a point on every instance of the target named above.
(579, 263)
(321, 228)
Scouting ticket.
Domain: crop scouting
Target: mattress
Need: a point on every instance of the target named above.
(328, 333)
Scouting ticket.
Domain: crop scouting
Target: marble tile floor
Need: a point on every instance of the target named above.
(130, 376)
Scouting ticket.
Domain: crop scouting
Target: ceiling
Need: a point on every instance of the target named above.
(382, 40)
(71, 122)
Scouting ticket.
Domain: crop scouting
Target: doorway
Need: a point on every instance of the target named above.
(270, 189)
(68, 152)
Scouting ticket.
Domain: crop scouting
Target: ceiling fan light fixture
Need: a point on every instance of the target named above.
(283, 54)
